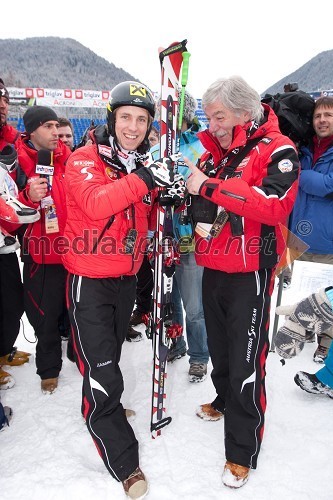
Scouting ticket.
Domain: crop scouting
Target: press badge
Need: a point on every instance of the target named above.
(51, 218)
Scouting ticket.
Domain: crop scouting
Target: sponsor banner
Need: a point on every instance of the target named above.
(17, 93)
(60, 97)
(23, 101)
(70, 103)
(71, 98)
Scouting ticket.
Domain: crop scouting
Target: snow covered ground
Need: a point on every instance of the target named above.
(47, 453)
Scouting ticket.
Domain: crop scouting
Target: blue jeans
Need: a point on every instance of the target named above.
(325, 375)
(187, 288)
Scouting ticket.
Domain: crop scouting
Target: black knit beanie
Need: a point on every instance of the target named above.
(35, 116)
(3, 91)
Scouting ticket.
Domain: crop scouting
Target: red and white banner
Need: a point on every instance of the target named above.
(59, 97)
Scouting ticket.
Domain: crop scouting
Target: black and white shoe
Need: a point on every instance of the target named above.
(8, 243)
(174, 353)
(320, 354)
(310, 383)
(197, 372)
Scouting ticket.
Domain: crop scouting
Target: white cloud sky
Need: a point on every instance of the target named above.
(263, 41)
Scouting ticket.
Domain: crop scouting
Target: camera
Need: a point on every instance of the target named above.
(290, 87)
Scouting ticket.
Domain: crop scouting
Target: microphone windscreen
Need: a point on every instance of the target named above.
(44, 157)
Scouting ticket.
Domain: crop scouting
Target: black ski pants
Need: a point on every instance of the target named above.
(99, 311)
(44, 292)
(11, 301)
(144, 287)
(236, 308)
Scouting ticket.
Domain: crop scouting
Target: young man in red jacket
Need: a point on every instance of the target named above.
(44, 276)
(109, 200)
(245, 188)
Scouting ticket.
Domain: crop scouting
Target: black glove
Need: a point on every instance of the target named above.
(159, 173)
(8, 158)
(175, 193)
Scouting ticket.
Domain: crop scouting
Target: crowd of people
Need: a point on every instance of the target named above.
(73, 210)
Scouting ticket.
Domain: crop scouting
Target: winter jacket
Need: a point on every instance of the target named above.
(262, 191)
(107, 212)
(312, 216)
(45, 248)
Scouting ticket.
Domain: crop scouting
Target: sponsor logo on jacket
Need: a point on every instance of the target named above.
(84, 163)
(105, 150)
(112, 175)
(244, 162)
(285, 166)
(147, 199)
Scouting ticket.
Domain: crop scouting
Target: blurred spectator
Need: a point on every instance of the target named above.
(187, 281)
(311, 218)
(308, 317)
(154, 136)
(11, 289)
(143, 300)
(66, 132)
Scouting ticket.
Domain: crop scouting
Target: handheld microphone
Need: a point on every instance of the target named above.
(44, 165)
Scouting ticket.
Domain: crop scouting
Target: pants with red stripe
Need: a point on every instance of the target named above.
(236, 308)
(44, 293)
(99, 311)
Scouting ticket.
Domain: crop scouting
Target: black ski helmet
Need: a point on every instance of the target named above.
(129, 94)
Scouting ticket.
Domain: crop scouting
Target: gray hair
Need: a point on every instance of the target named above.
(236, 95)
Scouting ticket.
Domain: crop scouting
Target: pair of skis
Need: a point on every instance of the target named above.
(174, 71)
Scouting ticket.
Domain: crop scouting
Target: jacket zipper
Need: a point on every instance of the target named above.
(106, 227)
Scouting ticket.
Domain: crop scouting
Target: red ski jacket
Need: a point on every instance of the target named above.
(8, 135)
(262, 191)
(107, 215)
(45, 248)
